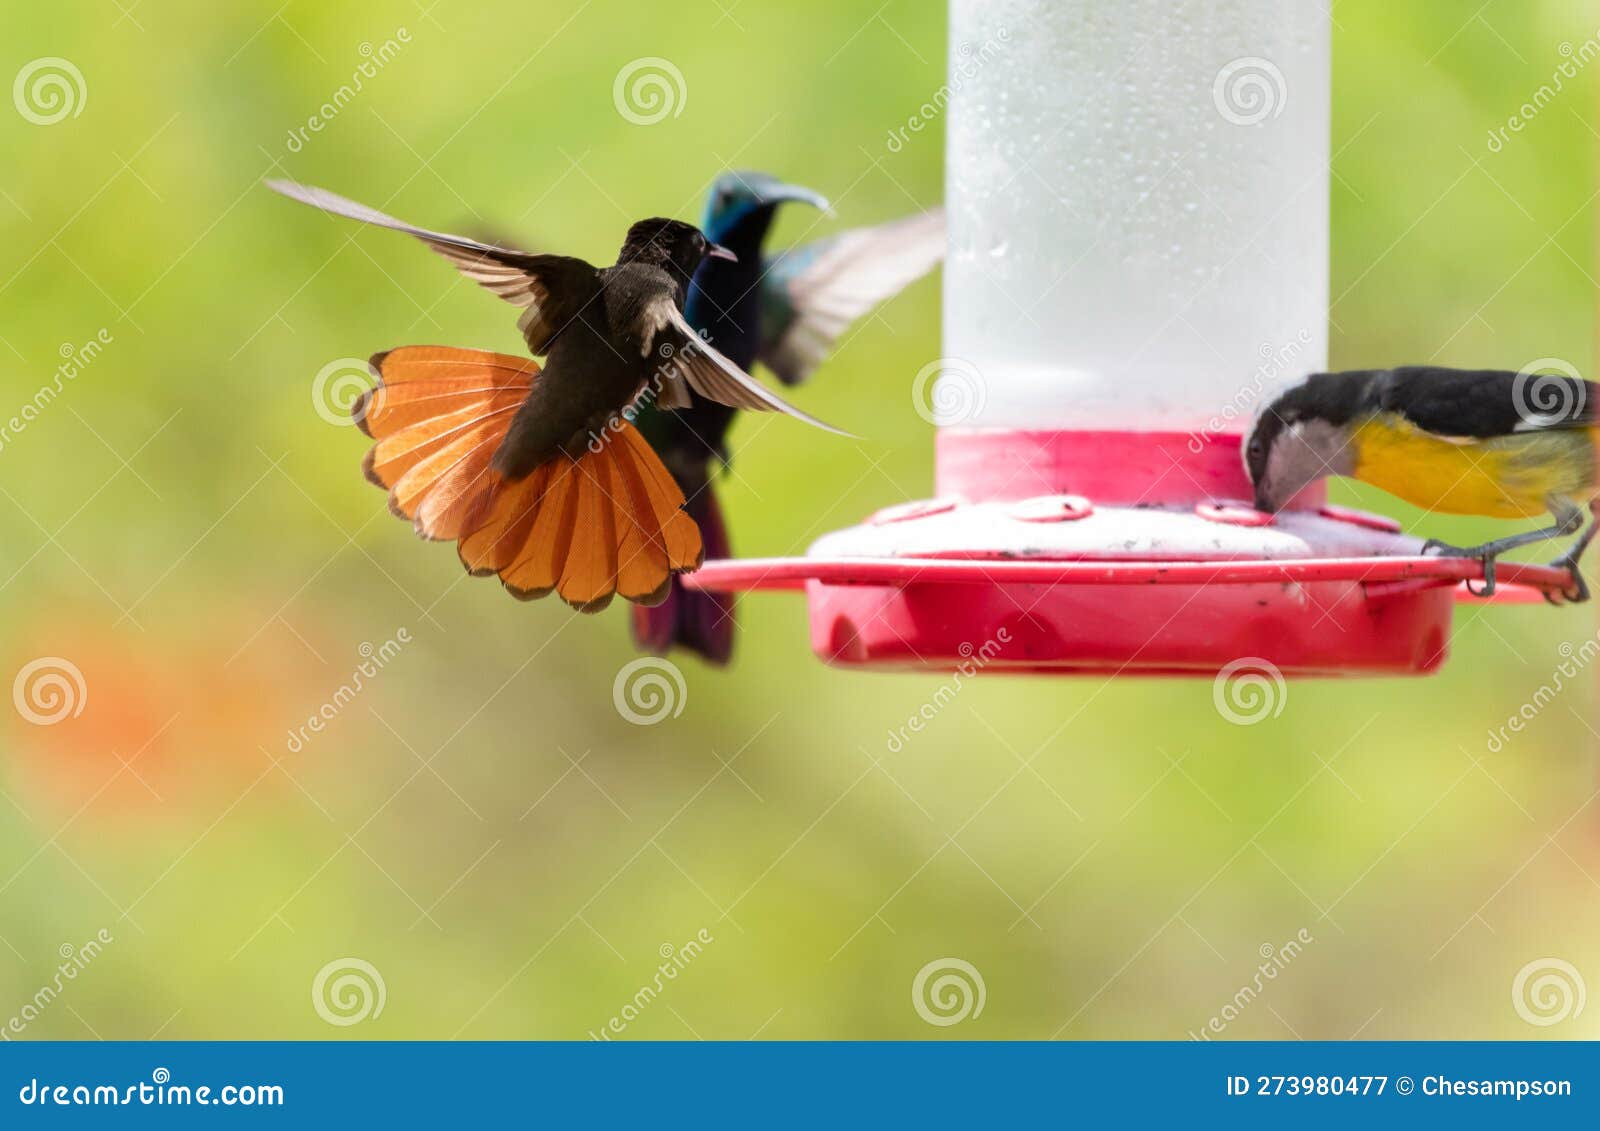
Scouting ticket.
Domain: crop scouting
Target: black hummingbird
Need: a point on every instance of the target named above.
(787, 311)
(537, 474)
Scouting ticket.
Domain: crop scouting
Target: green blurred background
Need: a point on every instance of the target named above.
(479, 823)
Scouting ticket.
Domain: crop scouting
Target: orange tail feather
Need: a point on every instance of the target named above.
(609, 522)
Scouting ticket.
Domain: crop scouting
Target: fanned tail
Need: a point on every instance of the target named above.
(694, 619)
(609, 522)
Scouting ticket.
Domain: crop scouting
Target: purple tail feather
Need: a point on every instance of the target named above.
(688, 618)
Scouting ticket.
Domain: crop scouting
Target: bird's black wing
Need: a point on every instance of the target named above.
(1480, 403)
(685, 358)
(810, 294)
(552, 289)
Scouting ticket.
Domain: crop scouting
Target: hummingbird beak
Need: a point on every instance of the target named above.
(717, 251)
(783, 194)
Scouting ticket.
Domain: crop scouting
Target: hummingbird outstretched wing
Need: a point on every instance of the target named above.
(688, 359)
(811, 294)
(552, 289)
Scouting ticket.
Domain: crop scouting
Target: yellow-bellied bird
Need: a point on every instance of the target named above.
(1477, 442)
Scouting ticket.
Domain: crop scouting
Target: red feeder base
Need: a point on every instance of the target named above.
(1120, 553)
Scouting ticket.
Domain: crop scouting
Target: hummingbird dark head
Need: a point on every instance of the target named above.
(670, 244)
(739, 198)
(1304, 434)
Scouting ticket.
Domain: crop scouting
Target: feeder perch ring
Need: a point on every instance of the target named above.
(1075, 567)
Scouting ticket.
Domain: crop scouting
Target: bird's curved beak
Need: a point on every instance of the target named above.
(784, 194)
(717, 251)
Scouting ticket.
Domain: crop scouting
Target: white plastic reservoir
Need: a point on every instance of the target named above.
(1138, 202)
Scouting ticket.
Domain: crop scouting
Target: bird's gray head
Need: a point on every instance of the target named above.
(1300, 436)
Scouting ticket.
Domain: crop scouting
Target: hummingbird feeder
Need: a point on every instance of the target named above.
(1138, 257)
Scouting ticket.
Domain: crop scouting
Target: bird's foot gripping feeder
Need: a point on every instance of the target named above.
(1108, 553)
